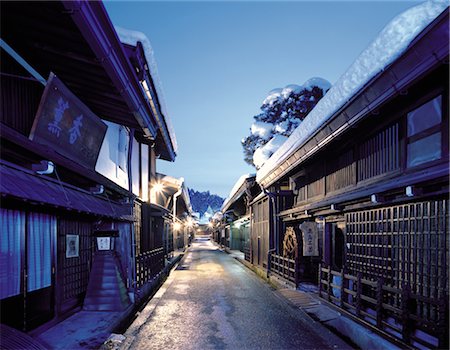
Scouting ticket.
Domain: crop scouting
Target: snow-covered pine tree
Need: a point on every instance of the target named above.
(282, 112)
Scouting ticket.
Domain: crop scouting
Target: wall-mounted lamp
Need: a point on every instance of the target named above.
(376, 198)
(158, 187)
(45, 167)
(412, 191)
(336, 207)
(97, 189)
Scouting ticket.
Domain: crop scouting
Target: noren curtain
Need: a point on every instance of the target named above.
(12, 223)
(41, 235)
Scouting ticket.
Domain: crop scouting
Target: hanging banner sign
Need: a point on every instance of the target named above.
(310, 238)
(67, 125)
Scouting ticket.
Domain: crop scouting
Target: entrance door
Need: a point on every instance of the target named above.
(334, 245)
(40, 269)
(27, 268)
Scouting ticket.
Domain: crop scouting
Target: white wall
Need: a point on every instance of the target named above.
(135, 168)
(144, 179)
(112, 160)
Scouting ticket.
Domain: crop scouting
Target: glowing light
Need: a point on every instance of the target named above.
(189, 222)
(158, 187)
(177, 226)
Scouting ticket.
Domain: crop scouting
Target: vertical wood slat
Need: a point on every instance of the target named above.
(416, 256)
(19, 102)
(379, 154)
(74, 272)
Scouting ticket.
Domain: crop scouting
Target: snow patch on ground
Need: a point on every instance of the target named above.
(386, 48)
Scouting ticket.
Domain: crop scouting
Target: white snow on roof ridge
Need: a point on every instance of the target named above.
(131, 37)
(235, 188)
(388, 46)
(263, 153)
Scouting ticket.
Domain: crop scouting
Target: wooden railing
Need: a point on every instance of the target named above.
(284, 267)
(148, 265)
(397, 312)
(246, 249)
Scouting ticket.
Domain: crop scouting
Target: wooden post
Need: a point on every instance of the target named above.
(330, 280)
(342, 288)
(379, 307)
(443, 324)
(358, 294)
(406, 324)
(320, 280)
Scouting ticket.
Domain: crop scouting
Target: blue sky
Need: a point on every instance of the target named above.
(218, 60)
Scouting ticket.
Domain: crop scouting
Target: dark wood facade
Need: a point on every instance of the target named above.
(46, 215)
(376, 193)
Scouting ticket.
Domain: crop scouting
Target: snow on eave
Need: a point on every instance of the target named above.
(167, 179)
(392, 41)
(131, 37)
(235, 189)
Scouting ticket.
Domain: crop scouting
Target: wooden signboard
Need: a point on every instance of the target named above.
(67, 125)
(310, 238)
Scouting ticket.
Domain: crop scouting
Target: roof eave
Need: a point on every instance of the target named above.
(95, 25)
(428, 64)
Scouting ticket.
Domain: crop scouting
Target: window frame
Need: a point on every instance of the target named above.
(441, 128)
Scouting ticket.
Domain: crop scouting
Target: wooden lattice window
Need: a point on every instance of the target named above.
(341, 172)
(137, 227)
(405, 245)
(379, 154)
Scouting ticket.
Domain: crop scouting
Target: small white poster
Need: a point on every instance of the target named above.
(72, 246)
(310, 238)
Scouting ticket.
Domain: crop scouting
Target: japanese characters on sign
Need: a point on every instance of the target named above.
(67, 125)
(310, 238)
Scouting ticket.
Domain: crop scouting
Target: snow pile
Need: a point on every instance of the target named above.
(235, 188)
(131, 37)
(261, 129)
(282, 112)
(387, 47)
(265, 152)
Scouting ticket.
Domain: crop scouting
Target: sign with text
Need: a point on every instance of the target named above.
(67, 125)
(310, 238)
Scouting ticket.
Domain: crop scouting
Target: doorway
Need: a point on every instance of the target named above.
(28, 268)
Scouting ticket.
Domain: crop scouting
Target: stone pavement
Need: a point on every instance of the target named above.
(305, 299)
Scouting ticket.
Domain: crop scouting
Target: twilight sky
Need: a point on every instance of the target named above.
(217, 61)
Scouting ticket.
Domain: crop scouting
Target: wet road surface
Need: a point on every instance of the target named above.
(211, 301)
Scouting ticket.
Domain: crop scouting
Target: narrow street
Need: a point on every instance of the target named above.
(211, 301)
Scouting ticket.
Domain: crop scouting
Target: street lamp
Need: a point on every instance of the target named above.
(176, 226)
(158, 187)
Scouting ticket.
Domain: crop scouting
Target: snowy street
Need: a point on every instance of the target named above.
(211, 301)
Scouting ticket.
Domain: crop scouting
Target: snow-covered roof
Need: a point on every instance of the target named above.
(236, 188)
(132, 37)
(166, 179)
(386, 48)
(263, 153)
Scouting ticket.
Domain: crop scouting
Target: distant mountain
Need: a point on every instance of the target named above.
(202, 200)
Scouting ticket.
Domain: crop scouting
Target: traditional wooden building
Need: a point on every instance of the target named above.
(81, 127)
(368, 216)
(236, 210)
